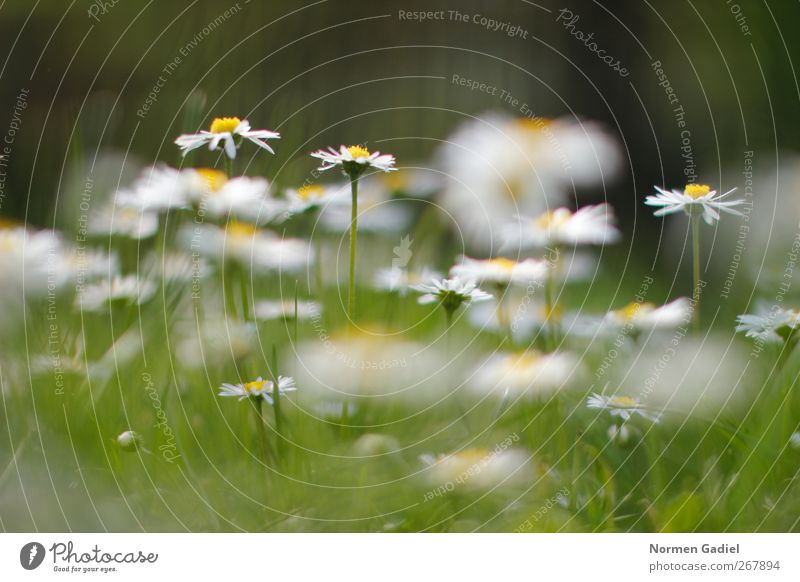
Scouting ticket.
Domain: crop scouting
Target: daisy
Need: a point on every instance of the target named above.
(501, 271)
(314, 196)
(129, 440)
(225, 130)
(695, 200)
(591, 225)
(450, 293)
(268, 309)
(354, 160)
(497, 167)
(399, 280)
(157, 189)
(478, 468)
(125, 221)
(259, 388)
(623, 407)
(529, 373)
(647, 315)
(127, 289)
(241, 197)
(774, 326)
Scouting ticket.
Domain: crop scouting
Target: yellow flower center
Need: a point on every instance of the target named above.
(310, 192)
(472, 456)
(240, 229)
(631, 309)
(254, 386)
(224, 124)
(214, 179)
(697, 190)
(623, 402)
(502, 263)
(553, 313)
(395, 181)
(553, 218)
(532, 123)
(524, 360)
(358, 152)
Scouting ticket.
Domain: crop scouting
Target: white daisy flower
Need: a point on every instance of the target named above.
(794, 440)
(269, 309)
(225, 130)
(591, 225)
(648, 316)
(30, 261)
(354, 160)
(395, 279)
(502, 271)
(451, 293)
(157, 189)
(530, 373)
(498, 167)
(623, 407)
(696, 199)
(128, 289)
(129, 440)
(125, 221)
(242, 197)
(316, 195)
(259, 388)
(776, 325)
(248, 246)
(479, 468)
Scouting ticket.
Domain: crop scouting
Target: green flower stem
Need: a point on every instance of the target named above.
(262, 431)
(696, 271)
(351, 293)
(276, 401)
(228, 165)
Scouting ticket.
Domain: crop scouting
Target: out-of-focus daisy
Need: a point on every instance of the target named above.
(399, 280)
(259, 388)
(129, 440)
(248, 246)
(498, 167)
(315, 195)
(225, 130)
(619, 433)
(376, 214)
(126, 221)
(241, 197)
(215, 342)
(774, 325)
(623, 407)
(590, 225)
(268, 309)
(479, 468)
(354, 160)
(694, 200)
(126, 290)
(450, 293)
(794, 440)
(530, 373)
(501, 271)
(30, 263)
(648, 316)
(157, 189)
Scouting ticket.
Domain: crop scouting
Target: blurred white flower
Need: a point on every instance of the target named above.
(354, 159)
(315, 196)
(275, 309)
(31, 263)
(527, 373)
(224, 130)
(376, 213)
(498, 167)
(502, 271)
(794, 440)
(772, 325)
(372, 444)
(396, 279)
(451, 293)
(128, 289)
(695, 199)
(248, 246)
(126, 221)
(259, 388)
(479, 468)
(623, 407)
(129, 440)
(590, 225)
(242, 197)
(215, 341)
(647, 316)
(157, 189)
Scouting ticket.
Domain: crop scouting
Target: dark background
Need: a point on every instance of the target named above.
(336, 71)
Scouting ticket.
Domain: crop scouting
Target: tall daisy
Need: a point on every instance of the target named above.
(450, 294)
(225, 130)
(354, 161)
(697, 201)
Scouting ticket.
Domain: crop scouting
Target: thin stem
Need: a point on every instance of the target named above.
(696, 271)
(228, 165)
(262, 432)
(351, 293)
(276, 399)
